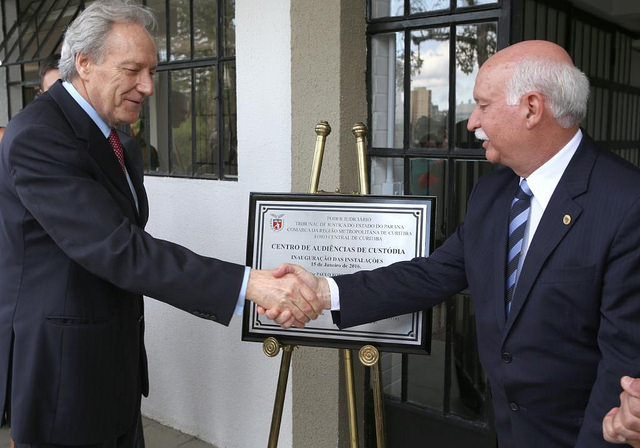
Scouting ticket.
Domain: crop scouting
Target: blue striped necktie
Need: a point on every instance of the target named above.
(520, 208)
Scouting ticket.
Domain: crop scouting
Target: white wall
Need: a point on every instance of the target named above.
(204, 380)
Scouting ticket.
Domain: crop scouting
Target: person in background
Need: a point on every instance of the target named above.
(48, 72)
(75, 260)
(550, 251)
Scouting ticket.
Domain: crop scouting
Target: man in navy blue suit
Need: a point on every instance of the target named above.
(75, 260)
(555, 350)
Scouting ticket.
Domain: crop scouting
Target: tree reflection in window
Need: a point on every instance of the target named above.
(190, 122)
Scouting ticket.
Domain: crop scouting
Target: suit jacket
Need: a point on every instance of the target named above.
(555, 363)
(74, 264)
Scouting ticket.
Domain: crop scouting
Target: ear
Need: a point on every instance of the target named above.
(532, 107)
(84, 66)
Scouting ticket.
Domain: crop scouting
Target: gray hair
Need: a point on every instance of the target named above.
(564, 87)
(87, 33)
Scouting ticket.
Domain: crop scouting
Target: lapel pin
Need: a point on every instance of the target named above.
(566, 220)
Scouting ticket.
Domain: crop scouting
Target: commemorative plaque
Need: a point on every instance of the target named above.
(330, 235)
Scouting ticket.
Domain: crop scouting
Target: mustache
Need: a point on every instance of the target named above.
(480, 134)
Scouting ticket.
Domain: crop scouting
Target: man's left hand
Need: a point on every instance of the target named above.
(622, 424)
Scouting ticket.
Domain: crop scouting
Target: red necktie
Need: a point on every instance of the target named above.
(116, 144)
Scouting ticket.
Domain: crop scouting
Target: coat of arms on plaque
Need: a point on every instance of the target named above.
(277, 222)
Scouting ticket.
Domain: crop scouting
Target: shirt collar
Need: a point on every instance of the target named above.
(88, 108)
(545, 179)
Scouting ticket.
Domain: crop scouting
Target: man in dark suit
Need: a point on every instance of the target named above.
(555, 347)
(74, 258)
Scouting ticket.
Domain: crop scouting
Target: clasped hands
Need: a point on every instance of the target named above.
(288, 295)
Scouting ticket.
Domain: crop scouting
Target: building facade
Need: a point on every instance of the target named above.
(240, 87)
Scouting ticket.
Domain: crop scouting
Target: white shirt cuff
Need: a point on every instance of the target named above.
(335, 294)
(243, 292)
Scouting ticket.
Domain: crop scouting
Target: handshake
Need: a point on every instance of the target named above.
(288, 295)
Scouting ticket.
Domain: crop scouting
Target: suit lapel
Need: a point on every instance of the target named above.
(554, 226)
(100, 149)
(97, 145)
(133, 160)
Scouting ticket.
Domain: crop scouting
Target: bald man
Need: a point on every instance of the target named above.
(550, 250)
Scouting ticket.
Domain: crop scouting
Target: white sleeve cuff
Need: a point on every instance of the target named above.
(335, 294)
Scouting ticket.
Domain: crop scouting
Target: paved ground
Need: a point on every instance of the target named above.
(156, 436)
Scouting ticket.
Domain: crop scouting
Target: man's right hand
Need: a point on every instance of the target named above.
(318, 285)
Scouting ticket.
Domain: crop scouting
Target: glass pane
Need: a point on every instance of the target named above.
(180, 30)
(425, 374)
(387, 176)
(577, 44)
(204, 28)
(467, 173)
(158, 107)
(541, 22)
(386, 8)
(138, 131)
(464, 3)
(562, 28)
(552, 25)
(429, 88)
(15, 90)
(427, 178)
(229, 21)
(207, 138)
(474, 45)
(387, 73)
(230, 118)
(586, 50)
(605, 107)
(30, 75)
(391, 369)
(180, 119)
(418, 6)
(469, 387)
(158, 8)
(529, 25)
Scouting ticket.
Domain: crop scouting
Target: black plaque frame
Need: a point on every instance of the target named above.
(253, 329)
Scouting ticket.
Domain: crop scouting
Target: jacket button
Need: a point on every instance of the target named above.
(506, 357)
(514, 406)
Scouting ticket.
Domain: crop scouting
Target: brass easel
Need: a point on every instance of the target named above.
(368, 354)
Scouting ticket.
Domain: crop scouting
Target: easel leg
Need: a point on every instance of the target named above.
(369, 356)
(351, 398)
(378, 403)
(278, 405)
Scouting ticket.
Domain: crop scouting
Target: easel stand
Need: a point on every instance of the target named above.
(368, 354)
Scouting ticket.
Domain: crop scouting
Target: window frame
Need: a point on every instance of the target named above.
(219, 62)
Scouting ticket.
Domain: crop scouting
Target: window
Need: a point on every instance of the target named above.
(188, 127)
(32, 32)
(603, 52)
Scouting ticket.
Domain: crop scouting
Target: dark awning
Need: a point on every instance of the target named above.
(38, 32)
